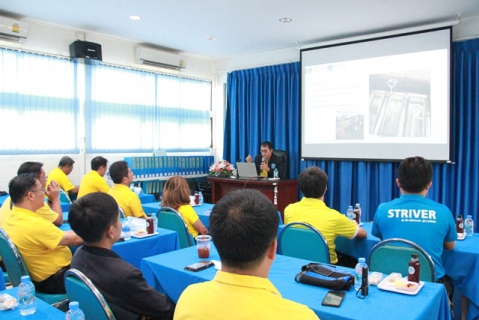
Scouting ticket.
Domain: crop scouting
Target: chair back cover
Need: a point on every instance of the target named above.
(169, 218)
(301, 240)
(64, 196)
(92, 303)
(393, 255)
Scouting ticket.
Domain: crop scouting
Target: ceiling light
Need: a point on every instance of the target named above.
(285, 20)
(135, 17)
(211, 38)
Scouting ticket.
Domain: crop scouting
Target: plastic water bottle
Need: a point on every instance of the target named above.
(125, 230)
(275, 173)
(350, 213)
(201, 199)
(26, 297)
(75, 312)
(155, 222)
(358, 273)
(469, 226)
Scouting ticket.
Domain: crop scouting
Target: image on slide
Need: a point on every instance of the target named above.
(349, 125)
(400, 104)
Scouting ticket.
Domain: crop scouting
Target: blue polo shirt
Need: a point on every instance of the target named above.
(416, 218)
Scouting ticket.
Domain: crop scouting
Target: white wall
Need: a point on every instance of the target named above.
(56, 40)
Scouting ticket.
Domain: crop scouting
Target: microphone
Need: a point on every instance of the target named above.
(262, 160)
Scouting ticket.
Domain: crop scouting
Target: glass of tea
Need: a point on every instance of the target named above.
(203, 243)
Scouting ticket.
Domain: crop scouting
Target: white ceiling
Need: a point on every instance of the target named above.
(241, 27)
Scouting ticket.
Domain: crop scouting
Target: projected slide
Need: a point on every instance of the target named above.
(390, 103)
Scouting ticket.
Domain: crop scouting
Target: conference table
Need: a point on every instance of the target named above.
(461, 264)
(135, 249)
(430, 303)
(44, 310)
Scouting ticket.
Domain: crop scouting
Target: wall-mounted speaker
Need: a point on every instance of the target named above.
(85, 49)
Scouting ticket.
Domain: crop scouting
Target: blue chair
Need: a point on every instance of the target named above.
(169, 218)
(302, 240)
(393, 255)
(92, 303)
(64, 196)
(16, 268)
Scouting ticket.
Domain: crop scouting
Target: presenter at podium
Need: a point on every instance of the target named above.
(267, 161)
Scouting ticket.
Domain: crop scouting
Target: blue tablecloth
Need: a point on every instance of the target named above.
(430, 303)
(203, 211)
(461, 264)
(146, 198)
(44, 310)
(134, 250)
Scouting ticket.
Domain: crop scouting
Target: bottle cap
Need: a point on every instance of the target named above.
(362, 260)
(350, 207)
(469, 216)
(74, 305)
(459, 216)
(415, 255)
(26, 278)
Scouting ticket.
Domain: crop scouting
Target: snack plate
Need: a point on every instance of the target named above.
(143, 235)
(389, 286)
(7, 302)
(461, 236)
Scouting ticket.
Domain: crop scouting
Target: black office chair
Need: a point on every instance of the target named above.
(283, 154)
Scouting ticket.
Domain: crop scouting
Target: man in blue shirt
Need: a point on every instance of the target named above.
(414, 217)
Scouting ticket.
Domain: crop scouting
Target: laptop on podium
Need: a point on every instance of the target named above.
(247, 170)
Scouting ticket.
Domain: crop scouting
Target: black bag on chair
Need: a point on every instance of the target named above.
(324, 276)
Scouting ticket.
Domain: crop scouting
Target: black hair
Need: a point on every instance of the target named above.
(66, 161)
(92, 215)
(118, 170)
(19, 186)
(313, 182)
(414, 174)
(31, 167)
(98, 162)
(267, 144)
(243, 224)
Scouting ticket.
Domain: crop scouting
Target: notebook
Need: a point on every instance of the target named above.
(247, 170)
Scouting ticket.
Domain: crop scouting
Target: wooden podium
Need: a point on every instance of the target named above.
(280, 192)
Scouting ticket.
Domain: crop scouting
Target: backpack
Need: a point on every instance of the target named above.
(324, 276)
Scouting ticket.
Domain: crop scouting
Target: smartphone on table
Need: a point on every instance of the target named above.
(333, 298)
(199, 266)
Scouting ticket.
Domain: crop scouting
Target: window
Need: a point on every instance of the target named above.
(38, 107)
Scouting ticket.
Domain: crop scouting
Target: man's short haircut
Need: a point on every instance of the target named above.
(267, 144)
(313, 182)
(98, 162)
(31, 167)
(66, 161)
(118, 170)
(19, 186)
(243, 224)
(92, 215)
(414, 174)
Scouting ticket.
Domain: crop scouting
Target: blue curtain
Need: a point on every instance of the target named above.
(263, 105)
(253, 115)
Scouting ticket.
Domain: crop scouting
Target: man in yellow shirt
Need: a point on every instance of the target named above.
(52, 210)
(129, 202)
(243, 225)
(43, 246)
(60, 173)
(93, 181)
(313, 183)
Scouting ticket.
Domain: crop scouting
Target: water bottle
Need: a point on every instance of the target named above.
(155, 222)
(357, 213)
(358, 273)
(275, 173)
(26, 297)
(200, 194)
(75, 312)
(350, 213)
(469, 226)
(125, 230)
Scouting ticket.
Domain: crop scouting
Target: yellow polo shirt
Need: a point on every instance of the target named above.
(233, 296)
(37, 240)
(92, 182)
(127, 200)
(61, 178)
(190, 217)
(45, 212)
(328, 221)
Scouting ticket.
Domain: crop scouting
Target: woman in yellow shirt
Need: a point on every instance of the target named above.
(176, 195)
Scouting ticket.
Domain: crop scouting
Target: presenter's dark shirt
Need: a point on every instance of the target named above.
(274, 160)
